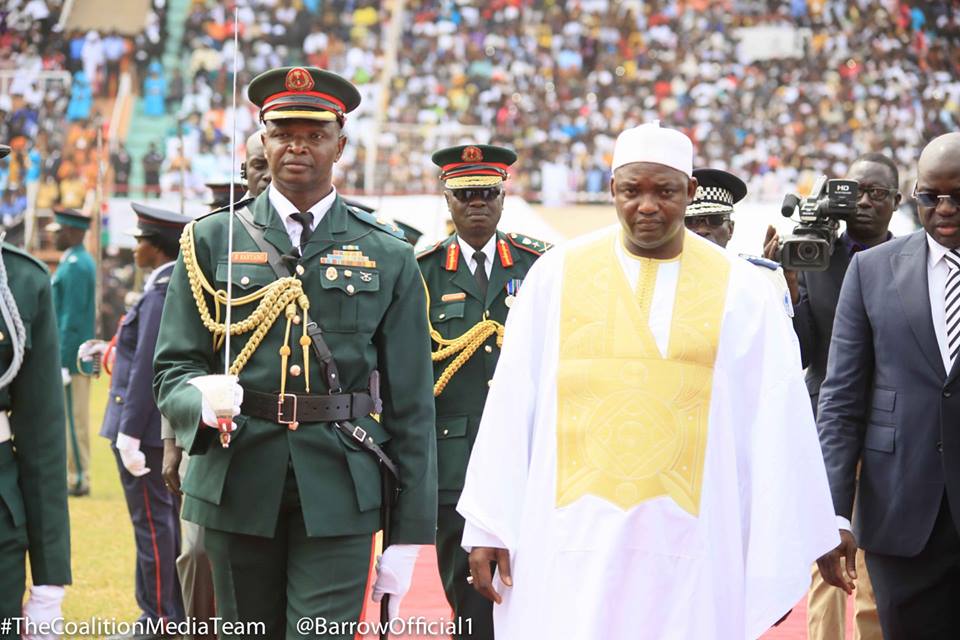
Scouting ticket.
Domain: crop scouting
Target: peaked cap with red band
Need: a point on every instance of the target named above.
(305, 93)
(473, 166)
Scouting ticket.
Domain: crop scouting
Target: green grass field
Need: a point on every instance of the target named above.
(101, 535)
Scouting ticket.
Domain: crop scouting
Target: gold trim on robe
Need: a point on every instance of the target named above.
(632, 424)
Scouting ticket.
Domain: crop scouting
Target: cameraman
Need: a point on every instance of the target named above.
(815, 295)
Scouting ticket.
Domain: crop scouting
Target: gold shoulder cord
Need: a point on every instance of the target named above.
(280, 296)
(464, 346)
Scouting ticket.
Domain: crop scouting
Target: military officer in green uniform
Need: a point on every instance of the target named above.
(33, 494)
(334, 377)
(74, 288)
(472, 278)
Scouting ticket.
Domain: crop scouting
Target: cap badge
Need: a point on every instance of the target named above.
(471, 154)
(298, 79)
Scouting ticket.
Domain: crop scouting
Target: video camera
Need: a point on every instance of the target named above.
(809, 247)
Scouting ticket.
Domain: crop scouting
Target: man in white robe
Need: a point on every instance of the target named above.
(647, 464)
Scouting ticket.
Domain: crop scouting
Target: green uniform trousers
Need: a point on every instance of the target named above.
(13, 544)
(282, 579)
(475, 610)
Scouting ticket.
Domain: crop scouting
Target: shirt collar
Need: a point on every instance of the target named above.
(156, 273)
(286, 208)
(936, 253)
(488, 250)
(852, 246)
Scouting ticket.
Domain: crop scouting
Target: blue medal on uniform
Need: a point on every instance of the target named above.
(513, 286)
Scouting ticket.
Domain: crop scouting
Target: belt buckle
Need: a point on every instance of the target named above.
(292, 423)
(359, 434)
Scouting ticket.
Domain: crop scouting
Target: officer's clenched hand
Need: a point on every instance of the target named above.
(172, 454)
(130, 455)
(394, 573)
(771, 247)
(43, 607)
(482, 560)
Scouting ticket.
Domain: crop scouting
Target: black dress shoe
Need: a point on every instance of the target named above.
(78, 492)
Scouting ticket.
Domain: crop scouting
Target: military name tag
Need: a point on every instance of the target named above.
(248, 257)
(452, 297)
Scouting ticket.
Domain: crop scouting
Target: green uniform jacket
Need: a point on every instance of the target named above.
(372, 318)
(460, 404)
(33, 482)
(73, 298)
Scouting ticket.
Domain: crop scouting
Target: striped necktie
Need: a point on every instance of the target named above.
(952, 303)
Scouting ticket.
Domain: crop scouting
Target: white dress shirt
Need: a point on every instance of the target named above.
(285, 209)
(937, 272)
(488, 250)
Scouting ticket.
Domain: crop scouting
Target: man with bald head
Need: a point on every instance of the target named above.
(626, 479)
(255, 169)
(890, 404)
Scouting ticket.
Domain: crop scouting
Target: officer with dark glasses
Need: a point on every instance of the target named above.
(472, 278)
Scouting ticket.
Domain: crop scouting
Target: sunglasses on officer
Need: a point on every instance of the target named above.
(468, 195)
(710, 219)
(931, 199)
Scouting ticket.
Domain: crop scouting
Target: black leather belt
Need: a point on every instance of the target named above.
(292, 409)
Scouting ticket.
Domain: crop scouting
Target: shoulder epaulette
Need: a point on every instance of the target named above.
(357, 205)
(430, 250)
(9, 248)
(761, 262)
(526, 243)
(371, 218)
(239, 204)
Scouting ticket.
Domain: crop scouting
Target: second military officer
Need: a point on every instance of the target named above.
(132, 422)
(331, 348)
(472, 278)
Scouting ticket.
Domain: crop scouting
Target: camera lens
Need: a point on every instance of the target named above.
(808, 251)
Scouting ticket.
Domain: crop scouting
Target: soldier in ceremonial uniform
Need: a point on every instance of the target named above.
(74, 288)
(334, 380)
(472, 278)
(709, 215)
(132, 421)
(33, 496)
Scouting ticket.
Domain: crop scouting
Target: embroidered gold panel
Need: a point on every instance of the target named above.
(632, 424)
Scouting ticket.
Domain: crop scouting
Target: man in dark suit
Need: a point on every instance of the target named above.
(891, 403)
(815, 295)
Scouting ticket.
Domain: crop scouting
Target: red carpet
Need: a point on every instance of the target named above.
(426, 599)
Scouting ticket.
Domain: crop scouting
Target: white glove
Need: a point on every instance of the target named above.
(65, 376)
(394, 573)
(43, 606)
(92, 349)
(207, 414)
(130, 455)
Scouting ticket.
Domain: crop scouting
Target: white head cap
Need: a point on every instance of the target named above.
(652, 143)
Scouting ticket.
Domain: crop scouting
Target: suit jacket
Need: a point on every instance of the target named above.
(888, 403)
(33, 487)
(131, 408)
(73, 298)
(813, 316)
(455, 307)
(372, 317)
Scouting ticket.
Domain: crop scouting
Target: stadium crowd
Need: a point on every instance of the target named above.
(557, 80)
(51, 121)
